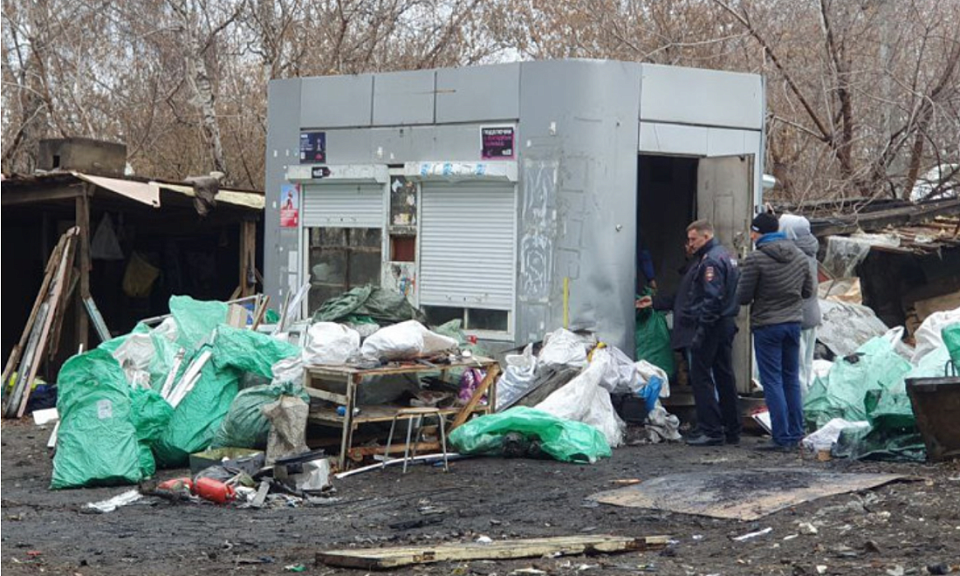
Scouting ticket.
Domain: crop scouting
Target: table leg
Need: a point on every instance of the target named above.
(345, 440)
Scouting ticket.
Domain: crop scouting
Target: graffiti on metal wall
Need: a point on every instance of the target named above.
(538, 219)
(402, 277)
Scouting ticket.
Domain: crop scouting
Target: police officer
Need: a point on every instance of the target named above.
(705, 310)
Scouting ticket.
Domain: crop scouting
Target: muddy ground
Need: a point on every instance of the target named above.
(899, 528)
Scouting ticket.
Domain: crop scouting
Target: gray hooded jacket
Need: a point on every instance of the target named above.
(797, 228)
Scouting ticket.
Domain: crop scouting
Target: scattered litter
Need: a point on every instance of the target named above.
(45, 416)
(752, 535)
(295, 568)
(111, 504)
(821, 569)
(484, 540)
(807, 528)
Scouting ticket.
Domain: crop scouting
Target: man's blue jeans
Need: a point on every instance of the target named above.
(778, 359)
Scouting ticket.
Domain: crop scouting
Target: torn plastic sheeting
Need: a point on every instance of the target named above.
(845, 253)
(561, 439)
(381, 304)
(845, 327)
(563, 348)
(828, 434)
(111, 504)
(583, 399)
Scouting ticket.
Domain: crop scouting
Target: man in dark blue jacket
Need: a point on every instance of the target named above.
(704, 323)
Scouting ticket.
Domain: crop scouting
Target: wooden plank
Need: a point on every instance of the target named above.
(98, 323)
(14, 359)
(19, 198)
(376, 413)
(321, 394)
(54, 301)
(492, 372)
(386, 558)
(72, 281)
(338, 372)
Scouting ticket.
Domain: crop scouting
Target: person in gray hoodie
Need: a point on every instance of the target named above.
(797, 228)
(774, 281)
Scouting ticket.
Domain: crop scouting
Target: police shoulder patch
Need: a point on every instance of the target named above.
(709, 274)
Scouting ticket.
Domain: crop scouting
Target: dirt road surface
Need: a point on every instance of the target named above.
(897, 529)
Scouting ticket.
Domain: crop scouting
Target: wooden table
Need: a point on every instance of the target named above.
(353, 377)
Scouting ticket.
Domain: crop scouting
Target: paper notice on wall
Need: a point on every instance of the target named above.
(497, 143)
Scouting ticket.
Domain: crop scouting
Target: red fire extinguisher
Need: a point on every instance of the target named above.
(214, 490)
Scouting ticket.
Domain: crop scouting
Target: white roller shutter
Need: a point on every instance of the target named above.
(342, 205)
(468, 245)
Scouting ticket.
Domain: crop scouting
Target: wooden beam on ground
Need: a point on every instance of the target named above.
(386, 558)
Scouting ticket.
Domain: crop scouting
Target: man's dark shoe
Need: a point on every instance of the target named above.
(733, 440)
(704, 440)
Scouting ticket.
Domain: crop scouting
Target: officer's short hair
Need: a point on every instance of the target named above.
(702, 226)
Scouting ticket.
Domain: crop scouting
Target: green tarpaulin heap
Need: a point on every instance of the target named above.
(382, 305)
(563, 440)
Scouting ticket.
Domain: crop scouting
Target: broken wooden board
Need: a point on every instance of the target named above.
(747, 494)
(386, 558)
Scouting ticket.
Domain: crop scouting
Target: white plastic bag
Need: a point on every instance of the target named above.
(330, 343)
(826, 437)
(646, 370)
(518, 377)
(563, 348)
(622, 377)
(287, 370)
(895, 337)
(134, 355)
(929, 336)
(583, 399)
(403, 341)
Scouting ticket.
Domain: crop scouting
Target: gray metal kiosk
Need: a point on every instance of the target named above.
(511, 196)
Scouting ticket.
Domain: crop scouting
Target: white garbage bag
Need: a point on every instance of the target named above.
(563, 347)
(518, 377)
(929, 337)
(330, 343)
(583, 399)
(622, 378)
(289, 369)
(646, 370)
(403, 341)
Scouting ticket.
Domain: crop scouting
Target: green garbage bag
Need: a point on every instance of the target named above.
(197, 418)
(841, 394)
(951, 338)
(196, 319)
(97, 440)
(271, 317)
(652, 338)
(563, 440)
(150, 415)
(245, 426)
(249, 351)
(384, 306)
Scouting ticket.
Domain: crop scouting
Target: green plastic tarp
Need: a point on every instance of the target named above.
(97, 440)
(196, 319)
(245, 426)
(249, 351)
(150, 415)
(197, 418)
(382, 305)
(841, 394)
(951, 339)
(652, 339)
(563, 440)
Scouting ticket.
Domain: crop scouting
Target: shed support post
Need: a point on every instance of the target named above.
(83, 263)
(248, 246)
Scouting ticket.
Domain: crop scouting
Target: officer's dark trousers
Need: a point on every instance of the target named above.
(711, 375)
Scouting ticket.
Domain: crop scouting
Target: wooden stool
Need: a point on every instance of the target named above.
(417, 414)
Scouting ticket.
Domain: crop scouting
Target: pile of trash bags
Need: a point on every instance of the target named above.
(861, 408)
(574, 378)
(152, 397)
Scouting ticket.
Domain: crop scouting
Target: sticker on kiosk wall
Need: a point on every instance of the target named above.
(497, 143)
(289, 205)
(313, 147)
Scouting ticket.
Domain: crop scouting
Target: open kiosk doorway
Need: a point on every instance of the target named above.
(672, 192)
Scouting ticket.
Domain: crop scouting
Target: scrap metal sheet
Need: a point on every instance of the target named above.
(747, 494)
